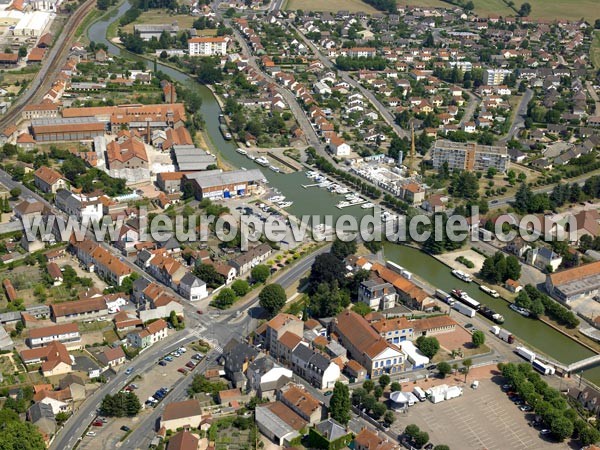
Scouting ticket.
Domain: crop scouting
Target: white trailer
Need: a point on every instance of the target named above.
(526, 353)
(419, 393)
(544, 369)
(453, 392)
(464, 309)
(503, 334)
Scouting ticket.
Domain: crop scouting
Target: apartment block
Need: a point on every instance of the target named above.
(469, 156)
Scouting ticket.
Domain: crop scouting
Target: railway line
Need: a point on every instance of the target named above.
(50, 67)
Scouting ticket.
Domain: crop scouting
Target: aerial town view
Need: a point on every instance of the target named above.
(299, 224)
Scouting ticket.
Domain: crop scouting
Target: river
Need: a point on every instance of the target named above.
(315, 201)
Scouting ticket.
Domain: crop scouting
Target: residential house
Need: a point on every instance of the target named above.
(251, 258)
(332, 432)
(543, 257)
(266, 378)
(377, 294)
(302, 403)
(277, 327)
(152, 333)
(184, 440)
(112, 357)
(366, 346)
(192, 288)
(28, 208)
(42, 416)
(279, 423)
(372, 440)
(85, 309)
(395, 330)
(237, 356)
(80, 206)
(59, 401)
(68, 334)
(186, 414)
(54, 359)
(75, 385)
(315, 367)
(49, 180)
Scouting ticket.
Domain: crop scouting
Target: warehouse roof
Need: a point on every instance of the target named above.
(61, 125)
(225, 178)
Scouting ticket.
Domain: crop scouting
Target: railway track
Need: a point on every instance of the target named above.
(50, 67)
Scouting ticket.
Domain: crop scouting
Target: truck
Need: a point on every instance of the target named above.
(464, 309)
(445, 297)
(419, 393)
(544, 369)
(503, 334)
(526, 353)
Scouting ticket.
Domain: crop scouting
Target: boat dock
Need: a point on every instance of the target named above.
(343, 205)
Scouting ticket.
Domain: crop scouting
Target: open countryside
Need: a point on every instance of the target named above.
(329, 6)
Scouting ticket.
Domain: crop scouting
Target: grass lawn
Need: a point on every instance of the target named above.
(330, 6)
(595, 50)
(540, 9)
(161, 16)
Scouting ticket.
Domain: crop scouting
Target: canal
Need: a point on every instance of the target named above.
(315, 201)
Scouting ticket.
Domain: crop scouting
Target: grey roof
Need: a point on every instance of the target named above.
(236, 353)
(63, 121)
(39, 411)
(224, 178)
(11, 316)
(189, 279)
(6, 343)
(547, 253)
(143, 257)
(143, 28)
(170, 244)
(273, 423)
(69, 380)
(331, 430)
(311, 357)
(140, 284)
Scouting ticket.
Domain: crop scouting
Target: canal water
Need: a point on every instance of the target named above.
(316, 201)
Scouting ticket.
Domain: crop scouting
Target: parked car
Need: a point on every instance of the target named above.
(190, 364)
(97, 423)
(328, 393)
(432, 367)
(129, 371)
(162, 363)
(182, 350)
(545, 431)
(198, 356)
(199, 311)
(526, 408)
(125, 428)
(168, 358)
(90, 433)
(182, 370)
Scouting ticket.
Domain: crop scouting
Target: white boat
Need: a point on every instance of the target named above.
(489, 291)
(262, 161)
(350, 197)
(524, 312)
(368, 205)
(274, 168)
(241, 151)
(462, 275)
(252, 158)
(277, 198)
(285, 204)
(343, 204)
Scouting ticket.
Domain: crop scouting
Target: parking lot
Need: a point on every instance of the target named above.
(481, 419)
(110, 434)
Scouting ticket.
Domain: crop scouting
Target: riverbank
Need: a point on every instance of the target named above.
(570, 333)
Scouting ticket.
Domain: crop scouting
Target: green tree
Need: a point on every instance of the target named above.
(22, 51)
(395, 386)
(389, 418)
(342, 249)
(208, 274)
(339, 405)
(537, 308)
(444, 369)
(224, 299)
(421, 439)
(15, 192)
(478, 338)
(429, 346)
(467, 363)
(260, 273)
(17, 435)
(384, 380)
(240, 287)
(589, 436)
(523, 300)
(361, 308)
(441, 447)
(378, 410)
(525, 10)
(272, 298)
(368, 386)
(561, 427)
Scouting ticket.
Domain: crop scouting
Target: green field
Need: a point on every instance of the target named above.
(540, 9)
(161, 16)
(595, 50)
(330, 6)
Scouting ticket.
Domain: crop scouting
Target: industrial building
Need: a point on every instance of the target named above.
(572, 284)
(469, 156)
(224, 184)
(60, 129)
(190, 158)
(148, 32)
(32, 24)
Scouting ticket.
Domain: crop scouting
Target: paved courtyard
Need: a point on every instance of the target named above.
(480, 419)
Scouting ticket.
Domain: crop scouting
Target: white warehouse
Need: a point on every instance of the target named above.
(32, 24)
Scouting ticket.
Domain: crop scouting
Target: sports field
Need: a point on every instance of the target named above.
(330, 6)
(540, 9)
